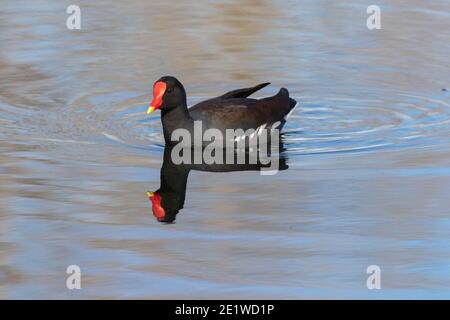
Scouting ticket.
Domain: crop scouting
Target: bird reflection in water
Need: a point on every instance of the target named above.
(169, 199)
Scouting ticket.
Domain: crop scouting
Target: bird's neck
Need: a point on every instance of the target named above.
(175, 118)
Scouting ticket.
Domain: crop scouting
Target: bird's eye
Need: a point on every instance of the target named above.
(170, 90)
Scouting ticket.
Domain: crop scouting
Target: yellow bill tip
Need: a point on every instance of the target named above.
(150, 194)
(150, 109)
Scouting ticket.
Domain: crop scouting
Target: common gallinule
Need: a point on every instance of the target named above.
(169, 199)
(232, 110)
